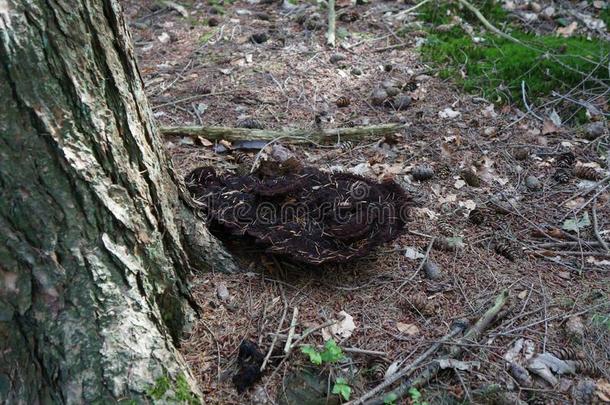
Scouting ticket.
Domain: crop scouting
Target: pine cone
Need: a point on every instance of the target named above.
(586, 172)
(566, 159)
(250, 123)
(342, 102)
(561, 175)
(506, 249)
(476, 216)
(422, 173)
(471, 178)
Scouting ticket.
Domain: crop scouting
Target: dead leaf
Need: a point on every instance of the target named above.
(459, 184)
(522, 295)
(342, 329)
(392, 369)
(204, 142)
(553, 116)
(602, 390)
(488, 112)
(413, 253)
(407, 328)
(549, 127)
(423, 213)
(447, 199)
(567, 31)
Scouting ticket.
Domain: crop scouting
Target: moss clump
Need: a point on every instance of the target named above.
(181, 390)
(496, 67)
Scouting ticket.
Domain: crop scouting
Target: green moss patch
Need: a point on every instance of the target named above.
(496, 67)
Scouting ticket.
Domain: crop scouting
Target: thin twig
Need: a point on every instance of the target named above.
(527, 106)
(487, 24)
(330, 35)
(279, 327)
(293, 324)
(404, 13)
(421, 265)
(473, 334)
(596, 227)
(190, 98)
(408, 369)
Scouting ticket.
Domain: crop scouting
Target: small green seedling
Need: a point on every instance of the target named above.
(390, 399)
(330, 354)
(416, 396)
(342, 388)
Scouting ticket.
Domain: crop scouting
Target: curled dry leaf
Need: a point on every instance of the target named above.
(407, 328)
(567, 31)
(342, 329)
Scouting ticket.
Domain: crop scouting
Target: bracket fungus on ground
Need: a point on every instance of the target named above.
(304, 213)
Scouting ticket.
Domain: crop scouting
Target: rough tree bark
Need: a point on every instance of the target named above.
(96, 242)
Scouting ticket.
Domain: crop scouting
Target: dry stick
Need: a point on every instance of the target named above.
(473, 334)
(296, 135)
(527, 106)
(596, 227)
(279, 327)
(412, 9)
(190, 98)
(487, 24)
(421, 265)
(408, 369)
(293, 325)
(296, 343)
(330, 35)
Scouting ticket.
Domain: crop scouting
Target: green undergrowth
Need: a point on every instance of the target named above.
(496, 67)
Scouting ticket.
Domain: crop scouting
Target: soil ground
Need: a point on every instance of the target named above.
(197, 74)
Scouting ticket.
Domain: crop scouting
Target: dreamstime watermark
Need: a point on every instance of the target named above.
(355, 208)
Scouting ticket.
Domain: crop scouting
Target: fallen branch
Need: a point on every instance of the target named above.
(487, 24)
(293, 136)
(293, 325)
(404, 13)
(473, 334)
(596, 227)
(330, 35)
(279, 327)
(410, 368)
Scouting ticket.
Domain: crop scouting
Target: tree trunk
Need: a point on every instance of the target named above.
(95, 238)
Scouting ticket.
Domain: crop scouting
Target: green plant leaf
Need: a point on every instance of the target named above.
(342, 388)
(314, 355)
(576, 224)
(390, 399)
(414, 394)
(331, 353)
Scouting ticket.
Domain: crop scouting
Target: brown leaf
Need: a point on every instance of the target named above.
(548, 127)
(407, 328)
(567, 31)
(204, 141)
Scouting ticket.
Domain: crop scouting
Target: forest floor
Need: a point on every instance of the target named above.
(201, 67)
